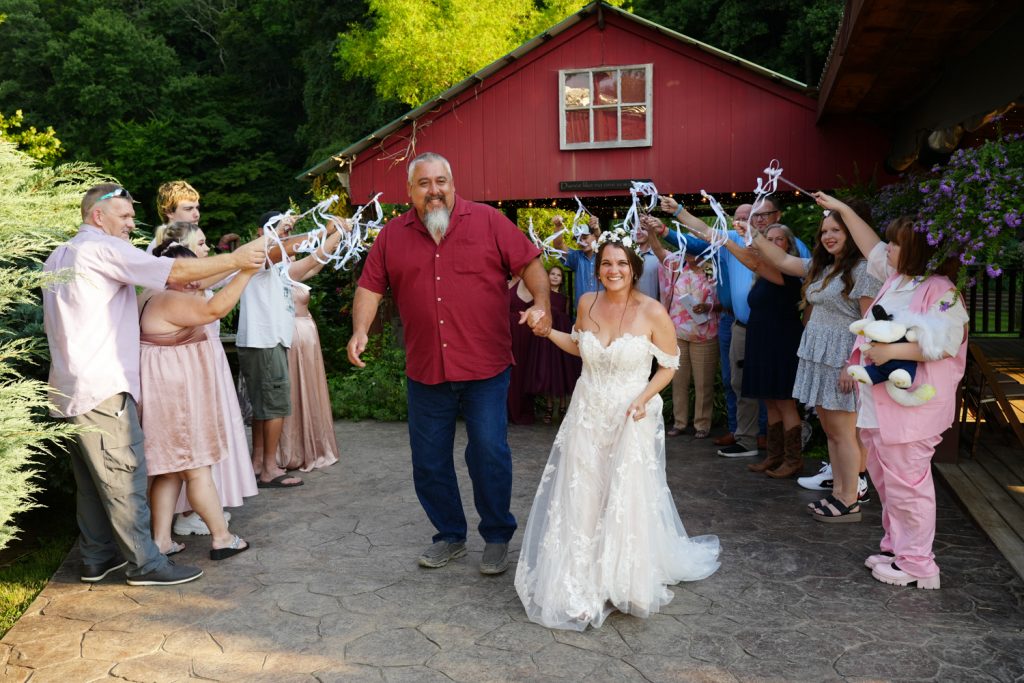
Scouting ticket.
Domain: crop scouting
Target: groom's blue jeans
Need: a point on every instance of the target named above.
(433, 409)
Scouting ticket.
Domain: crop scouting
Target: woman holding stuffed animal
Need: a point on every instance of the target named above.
(838, 291)
(901, 437)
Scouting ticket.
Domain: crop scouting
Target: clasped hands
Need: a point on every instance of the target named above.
(538, 320)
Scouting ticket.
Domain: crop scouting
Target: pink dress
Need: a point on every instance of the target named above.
(178, 377)
(233, 475)
(308, 434)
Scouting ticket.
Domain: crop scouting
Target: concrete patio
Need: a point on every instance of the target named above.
(331, 592)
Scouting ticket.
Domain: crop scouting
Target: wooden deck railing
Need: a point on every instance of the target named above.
(996, 305)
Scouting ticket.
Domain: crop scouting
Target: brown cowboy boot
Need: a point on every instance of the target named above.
(775, 449)
(793, 463)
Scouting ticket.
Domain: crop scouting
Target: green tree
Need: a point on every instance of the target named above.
(791, 37)
(41, 145)
(38, 209)
(413, 50)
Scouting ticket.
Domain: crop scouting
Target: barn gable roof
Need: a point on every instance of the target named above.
(598, 7)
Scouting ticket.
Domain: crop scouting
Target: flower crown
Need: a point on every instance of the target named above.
(619, 235)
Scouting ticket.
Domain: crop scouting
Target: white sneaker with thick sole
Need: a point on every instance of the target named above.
(822, 481)
(863, 496)
(193, 525)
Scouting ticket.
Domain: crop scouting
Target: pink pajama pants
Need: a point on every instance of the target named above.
(902, 475)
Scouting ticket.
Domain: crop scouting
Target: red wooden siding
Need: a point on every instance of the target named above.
(716, 126)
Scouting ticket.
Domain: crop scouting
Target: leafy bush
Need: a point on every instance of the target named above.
(377, 391)
(38, 209)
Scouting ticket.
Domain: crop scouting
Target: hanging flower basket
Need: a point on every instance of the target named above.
(971, 207)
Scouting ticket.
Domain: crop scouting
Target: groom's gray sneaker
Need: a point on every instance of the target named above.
(441, 552)
(495, 559)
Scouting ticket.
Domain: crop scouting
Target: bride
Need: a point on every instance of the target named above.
(603, 533)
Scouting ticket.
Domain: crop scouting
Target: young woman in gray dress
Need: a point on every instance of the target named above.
(838, 291)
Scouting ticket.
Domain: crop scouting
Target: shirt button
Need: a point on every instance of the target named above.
(442, 322)
(438, 277)
(444, 345)
(437, 256)
(438, 298)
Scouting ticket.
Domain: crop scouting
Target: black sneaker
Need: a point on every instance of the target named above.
(171, 575)
(439, 554)
(91, 573)
(495, 559)
(736, 451)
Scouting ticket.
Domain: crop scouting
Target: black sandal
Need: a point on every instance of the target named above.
(835, 512)
(816, 505)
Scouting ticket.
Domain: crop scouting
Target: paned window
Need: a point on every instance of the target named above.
(608, 106)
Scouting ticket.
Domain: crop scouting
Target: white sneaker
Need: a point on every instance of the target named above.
(193, 525)
(862, 489)
(822, 481)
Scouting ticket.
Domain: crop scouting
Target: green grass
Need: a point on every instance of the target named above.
(24, 576)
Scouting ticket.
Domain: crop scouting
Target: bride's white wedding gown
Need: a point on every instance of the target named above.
(603, 532)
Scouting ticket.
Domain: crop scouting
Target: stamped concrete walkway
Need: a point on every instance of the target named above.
(331, 592)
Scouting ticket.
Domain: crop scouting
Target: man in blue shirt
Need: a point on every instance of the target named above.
(580, 261)
(738, 279)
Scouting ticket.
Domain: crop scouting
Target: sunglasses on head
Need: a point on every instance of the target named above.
(116, 192)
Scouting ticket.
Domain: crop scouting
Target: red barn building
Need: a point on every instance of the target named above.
(607, 96)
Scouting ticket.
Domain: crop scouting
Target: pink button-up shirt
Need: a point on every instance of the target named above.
(92, 321)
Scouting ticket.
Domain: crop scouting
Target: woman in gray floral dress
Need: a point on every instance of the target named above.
(838, 290)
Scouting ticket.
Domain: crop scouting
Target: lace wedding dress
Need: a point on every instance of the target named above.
(603, 532)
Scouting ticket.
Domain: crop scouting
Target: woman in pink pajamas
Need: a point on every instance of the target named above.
(901, 440)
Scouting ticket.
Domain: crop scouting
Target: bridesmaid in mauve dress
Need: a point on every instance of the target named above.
(178, 377)
(233, 474)
(307, 439)
(552, 373)
(520, 403)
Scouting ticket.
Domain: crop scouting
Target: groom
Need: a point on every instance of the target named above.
(447, 262)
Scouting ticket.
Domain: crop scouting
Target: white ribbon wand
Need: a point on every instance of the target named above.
(638, 189)
(763, 190)
(547, 247)
(272, 239)
(580, 220)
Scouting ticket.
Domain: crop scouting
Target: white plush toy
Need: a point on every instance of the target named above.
(898, 375)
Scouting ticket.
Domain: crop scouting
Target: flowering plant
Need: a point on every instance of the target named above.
(971, 207)
(617, 234)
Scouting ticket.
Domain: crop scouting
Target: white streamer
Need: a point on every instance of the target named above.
(547, 247)
(581, 220)
(762, 191)
(639, 189)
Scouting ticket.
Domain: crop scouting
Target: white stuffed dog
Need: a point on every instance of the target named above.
(898, 375)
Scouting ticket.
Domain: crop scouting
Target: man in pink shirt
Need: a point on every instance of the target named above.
(92, 326)
(447, 262)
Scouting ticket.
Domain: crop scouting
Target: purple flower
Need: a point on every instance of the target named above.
(1012, 219)
(993, 271)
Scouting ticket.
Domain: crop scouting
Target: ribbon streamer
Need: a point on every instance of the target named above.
(637, 190)
(763, 190)
(547, 247)
(581, 220)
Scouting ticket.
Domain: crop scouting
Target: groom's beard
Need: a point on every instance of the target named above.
(437, 222)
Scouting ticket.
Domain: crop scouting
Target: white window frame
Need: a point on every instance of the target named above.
(645, 142)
